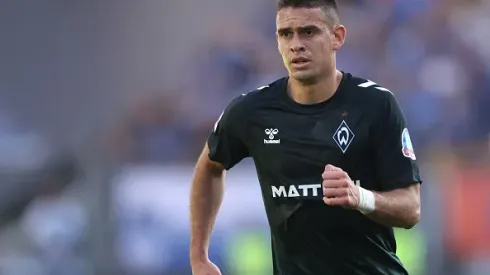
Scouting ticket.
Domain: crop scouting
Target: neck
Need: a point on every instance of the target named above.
(316, 92)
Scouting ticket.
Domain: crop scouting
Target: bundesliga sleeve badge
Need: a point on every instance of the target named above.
(407, 147)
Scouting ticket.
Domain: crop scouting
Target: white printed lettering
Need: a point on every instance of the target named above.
(314, 188)
(301, 190)
(293, 192)
(278, 191)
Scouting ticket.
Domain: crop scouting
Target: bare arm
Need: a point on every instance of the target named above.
(205, 200)
(397, 208)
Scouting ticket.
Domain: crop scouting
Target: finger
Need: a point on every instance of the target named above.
(335, 183)
(335, 192)
(336, 201)
(334, 175)
(330, 167)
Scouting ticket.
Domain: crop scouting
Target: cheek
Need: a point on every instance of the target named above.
(332, 43)
(327, 48)
(282, 50)
(321, 48)
(322, 51)
(281, 46)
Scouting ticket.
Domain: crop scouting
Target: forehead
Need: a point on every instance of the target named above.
(298, 17)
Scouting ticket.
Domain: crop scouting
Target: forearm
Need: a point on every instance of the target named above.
(397, 208)
(206, 197)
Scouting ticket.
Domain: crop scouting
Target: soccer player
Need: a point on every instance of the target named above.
(333, 155)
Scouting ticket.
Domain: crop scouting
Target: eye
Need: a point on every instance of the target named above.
(308, 32)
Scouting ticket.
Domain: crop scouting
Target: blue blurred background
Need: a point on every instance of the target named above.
(105, 106)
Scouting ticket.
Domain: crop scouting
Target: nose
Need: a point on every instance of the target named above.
(297, 45)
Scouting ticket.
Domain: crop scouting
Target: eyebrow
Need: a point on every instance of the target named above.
(302, 28)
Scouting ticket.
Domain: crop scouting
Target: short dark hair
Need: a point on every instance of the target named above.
(331, 4)
(328, 6)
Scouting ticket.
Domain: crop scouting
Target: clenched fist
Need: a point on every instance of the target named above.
(338, 188)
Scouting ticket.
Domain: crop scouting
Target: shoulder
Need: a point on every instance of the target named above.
(379, 103)
(369, 91)
(246, 103)
(270, 90)
(250, 100)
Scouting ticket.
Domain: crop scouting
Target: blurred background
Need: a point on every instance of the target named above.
(105, 106)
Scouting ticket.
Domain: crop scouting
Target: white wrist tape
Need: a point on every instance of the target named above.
(366, 201)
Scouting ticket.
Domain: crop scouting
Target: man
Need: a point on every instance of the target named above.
(332, 152)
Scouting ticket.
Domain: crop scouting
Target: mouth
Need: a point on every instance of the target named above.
(299, 61)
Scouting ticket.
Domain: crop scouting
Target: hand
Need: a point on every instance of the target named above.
(338, 188)
(205, 268)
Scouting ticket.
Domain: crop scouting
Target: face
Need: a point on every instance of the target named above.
(307, 42)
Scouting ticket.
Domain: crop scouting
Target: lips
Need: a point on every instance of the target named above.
(300, 60)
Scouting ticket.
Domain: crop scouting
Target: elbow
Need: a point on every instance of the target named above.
(413, 217)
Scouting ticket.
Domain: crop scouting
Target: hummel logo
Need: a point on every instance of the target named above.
(271, 135)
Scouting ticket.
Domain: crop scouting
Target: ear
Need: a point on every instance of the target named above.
(339, 32)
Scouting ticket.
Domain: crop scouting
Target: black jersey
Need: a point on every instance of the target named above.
(360, 129)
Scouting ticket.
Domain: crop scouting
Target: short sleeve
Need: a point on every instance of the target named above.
(395, 160)
(226, 142)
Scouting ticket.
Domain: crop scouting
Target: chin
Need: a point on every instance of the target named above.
(304, 76)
